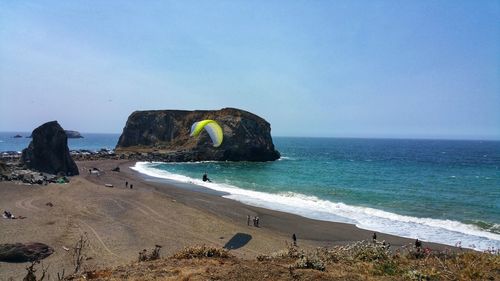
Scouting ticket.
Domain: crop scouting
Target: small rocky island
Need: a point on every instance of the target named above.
(69, 134)
(73, 134)
(164, 135)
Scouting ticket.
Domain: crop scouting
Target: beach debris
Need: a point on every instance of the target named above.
(14, 172)
(213, 129)
(116, 169)
(65, 248)
(8, 215)
(95, 171)
(108, 185)
(49, 204)
(24, 252)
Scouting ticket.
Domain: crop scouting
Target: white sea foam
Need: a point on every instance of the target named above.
(427, 229)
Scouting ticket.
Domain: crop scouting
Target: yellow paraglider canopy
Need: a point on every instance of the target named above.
(213, 129)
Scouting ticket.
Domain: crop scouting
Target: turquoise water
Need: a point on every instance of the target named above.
(435, 190)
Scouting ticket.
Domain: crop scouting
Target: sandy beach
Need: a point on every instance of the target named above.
(120, 221)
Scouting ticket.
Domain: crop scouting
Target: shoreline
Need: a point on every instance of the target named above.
(241, 197)
(325, 233)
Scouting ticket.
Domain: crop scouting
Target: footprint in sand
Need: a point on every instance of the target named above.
(27, 204)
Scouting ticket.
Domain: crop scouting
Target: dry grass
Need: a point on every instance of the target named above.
(357, 261)
(201, 252)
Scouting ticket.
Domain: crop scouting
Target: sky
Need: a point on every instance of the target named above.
(389, 69)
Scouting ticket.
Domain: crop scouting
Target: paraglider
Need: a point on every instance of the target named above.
(213, 129)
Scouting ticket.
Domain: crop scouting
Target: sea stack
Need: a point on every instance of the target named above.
(48, 151)
(165, 135)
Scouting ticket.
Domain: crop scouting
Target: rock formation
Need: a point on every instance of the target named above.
(164, 134)
(19, 252)
(48, 151)
(73, 134)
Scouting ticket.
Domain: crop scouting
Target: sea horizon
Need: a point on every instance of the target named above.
(437, 138)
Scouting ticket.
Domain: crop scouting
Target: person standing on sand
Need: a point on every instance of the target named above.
(248, 219)
(374, 237)
(418, 245)
(131, 186)
(294, 238)
(126, 184)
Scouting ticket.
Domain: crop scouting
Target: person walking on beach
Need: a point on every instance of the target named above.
(294, 238)
(126, 184)
(374, 237)
(257, 221)
(131, 186)
(248, 219)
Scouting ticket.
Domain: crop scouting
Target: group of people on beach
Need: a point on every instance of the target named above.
(418, 243)
(254, 219)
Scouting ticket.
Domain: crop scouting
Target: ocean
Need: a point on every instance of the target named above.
(92, 142)
(444, 191)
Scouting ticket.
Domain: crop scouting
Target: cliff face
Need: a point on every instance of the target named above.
(165, 134)
(48, 151)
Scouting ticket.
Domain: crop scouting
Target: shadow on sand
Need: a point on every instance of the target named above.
(237, 241)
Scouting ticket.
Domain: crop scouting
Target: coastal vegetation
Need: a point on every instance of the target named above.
(362, 260)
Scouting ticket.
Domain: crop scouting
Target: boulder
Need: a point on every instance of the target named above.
(48, 151)
(27, 252)
(164, 134)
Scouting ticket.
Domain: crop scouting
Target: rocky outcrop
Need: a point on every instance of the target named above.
(20, 252)
(164, 134)
(48, 151)
(73, 134)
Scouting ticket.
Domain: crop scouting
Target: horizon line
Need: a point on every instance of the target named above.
(336, 137)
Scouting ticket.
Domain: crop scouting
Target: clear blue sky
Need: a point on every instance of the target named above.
(418, 69)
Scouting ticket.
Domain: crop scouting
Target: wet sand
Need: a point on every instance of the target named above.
(119, 222)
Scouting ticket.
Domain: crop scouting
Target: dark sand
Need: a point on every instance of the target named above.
(120, 222)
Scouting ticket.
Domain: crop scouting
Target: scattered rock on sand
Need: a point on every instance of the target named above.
(20, 252)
